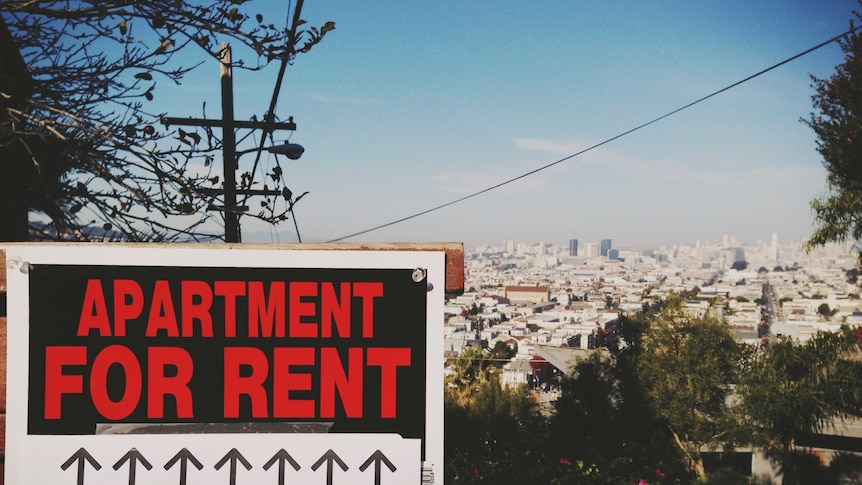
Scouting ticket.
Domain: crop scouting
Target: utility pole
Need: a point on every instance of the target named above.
(228, 124)
(231, 218)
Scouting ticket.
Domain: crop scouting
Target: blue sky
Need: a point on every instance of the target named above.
(408, 105)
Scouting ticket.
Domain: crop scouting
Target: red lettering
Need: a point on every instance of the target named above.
(115, 410)
(332, 376)
(333, 311)
(57, 383)
(368, 292)
(197, 300)
(299, 309)
(235, 385)
(388, 360)
(162, 314)
(128, 304)
(94, 311)
(284, 382)
(230, 290)
(159, 385)
(263, 315)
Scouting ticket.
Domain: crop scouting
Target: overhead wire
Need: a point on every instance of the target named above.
(605, 142)
(269, 117)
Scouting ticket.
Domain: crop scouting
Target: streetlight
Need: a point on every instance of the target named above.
(231, 211)
(292, 150)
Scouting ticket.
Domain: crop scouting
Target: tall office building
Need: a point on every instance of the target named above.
(773, 248)
(573, 247)
(604, 247)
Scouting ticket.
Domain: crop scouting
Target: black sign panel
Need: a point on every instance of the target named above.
(344, 348)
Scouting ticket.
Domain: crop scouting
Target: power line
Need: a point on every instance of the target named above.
(627, 132)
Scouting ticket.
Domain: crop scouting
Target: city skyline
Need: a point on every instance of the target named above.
(406, 107)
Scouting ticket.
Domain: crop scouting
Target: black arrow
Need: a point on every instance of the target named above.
(281, 457)
(133, 456)
(377, 458)
(233, 456)
(81, 455)
(184, 456)
(329, 457)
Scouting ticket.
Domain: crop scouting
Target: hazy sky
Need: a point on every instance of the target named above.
(408, 105)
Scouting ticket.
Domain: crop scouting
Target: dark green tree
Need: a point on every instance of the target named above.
(791, 388)
(837, 122)
(498, 437)
(692, 400)
(80, 137)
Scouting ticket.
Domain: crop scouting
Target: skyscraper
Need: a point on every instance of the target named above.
(773, 248)
(573, 247)
(604, 247)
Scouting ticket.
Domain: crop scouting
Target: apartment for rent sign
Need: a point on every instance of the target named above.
(341, 348)
(156, 344)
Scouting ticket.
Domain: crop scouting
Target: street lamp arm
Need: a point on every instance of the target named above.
(292, 150)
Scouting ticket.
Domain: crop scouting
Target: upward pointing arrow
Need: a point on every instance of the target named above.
(329, 457)
(184, 456)
(281, 457)
(133, 456)
(377, 458)
(81, 456)
(233, 455)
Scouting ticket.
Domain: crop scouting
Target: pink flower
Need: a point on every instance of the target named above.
(565, 461)
(642, 482)
(659, 473)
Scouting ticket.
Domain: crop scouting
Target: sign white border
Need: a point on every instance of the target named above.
(19, 257)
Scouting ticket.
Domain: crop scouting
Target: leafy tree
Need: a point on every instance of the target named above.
(500, 352)
(692, 400)
(79, 137)
(496, 438)
(605, 431)
(739, 265)
(852, 275)
(837, 122)
(792, 388)
(825, 311)
(467, 370)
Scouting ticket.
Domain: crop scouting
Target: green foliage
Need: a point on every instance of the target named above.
(603, 424)
(501, 352)
(837, 123)
(825, 311)
(493, 434)
(643, 409)
(792, 388)
(739, 265)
